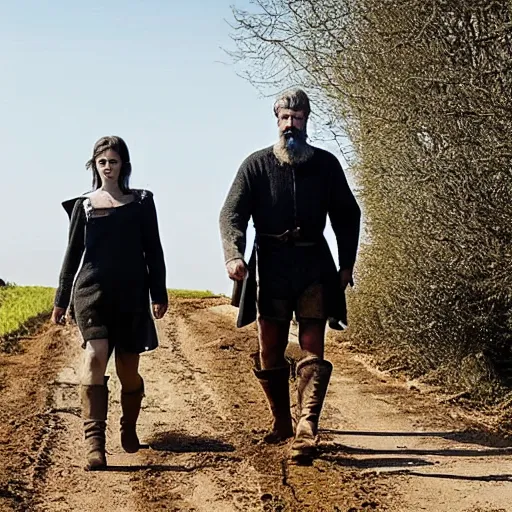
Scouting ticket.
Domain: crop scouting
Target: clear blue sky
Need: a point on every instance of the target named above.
(151, 71)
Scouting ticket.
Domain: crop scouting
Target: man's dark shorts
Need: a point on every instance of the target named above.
(293, 280)
(310, 304)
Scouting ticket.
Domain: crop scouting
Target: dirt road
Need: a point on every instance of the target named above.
(385, 445)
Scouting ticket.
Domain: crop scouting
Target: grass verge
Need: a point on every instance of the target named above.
(192, 294)
(22, 309)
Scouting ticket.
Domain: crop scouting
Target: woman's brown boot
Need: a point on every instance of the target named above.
(94, 413)
(130, 404)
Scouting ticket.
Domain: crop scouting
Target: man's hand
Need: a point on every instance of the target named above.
(159, 310)
(346, 278)
(237, 269)
(59, 315)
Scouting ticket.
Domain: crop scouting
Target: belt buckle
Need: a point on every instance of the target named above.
(291, 236)
(295, 234)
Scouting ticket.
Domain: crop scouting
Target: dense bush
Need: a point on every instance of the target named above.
(422, 90)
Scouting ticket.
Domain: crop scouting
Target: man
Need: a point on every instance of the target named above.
(288, 190)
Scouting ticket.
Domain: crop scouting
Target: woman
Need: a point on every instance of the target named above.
(115, 230)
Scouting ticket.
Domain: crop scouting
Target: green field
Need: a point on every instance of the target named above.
(19, 304)
(192, 294)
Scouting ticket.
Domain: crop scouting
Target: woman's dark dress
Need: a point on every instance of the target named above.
(123, 263)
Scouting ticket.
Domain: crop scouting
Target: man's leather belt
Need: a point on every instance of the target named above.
(289, 237)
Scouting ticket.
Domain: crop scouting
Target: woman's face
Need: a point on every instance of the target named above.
(109, 165)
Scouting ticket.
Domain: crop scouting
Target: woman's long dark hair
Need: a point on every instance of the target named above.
(118, 145)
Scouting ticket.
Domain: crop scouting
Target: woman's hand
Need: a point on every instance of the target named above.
(59, 315)
(159, 310)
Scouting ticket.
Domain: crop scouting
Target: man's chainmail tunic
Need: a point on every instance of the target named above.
(281, 197)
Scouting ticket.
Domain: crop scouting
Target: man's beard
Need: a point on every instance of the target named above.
(292, 147)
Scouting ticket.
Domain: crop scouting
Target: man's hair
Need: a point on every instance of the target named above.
(294, 99)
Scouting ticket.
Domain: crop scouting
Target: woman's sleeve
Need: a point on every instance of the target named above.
(73, 256)
(153, 252)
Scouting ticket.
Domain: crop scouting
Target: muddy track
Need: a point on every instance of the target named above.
(384, 445)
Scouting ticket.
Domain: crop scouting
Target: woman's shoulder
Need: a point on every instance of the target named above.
(70, 204)
(141, 194)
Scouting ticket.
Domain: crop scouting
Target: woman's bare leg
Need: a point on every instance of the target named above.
(127, 367)
(95, 362)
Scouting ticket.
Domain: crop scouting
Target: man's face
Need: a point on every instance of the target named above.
(292, 147)
(288, 119)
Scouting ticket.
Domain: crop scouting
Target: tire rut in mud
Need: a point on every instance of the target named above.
(28, 422)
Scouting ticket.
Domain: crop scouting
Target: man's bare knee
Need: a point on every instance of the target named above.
(273, 337)
(271, 359)
(312, 336)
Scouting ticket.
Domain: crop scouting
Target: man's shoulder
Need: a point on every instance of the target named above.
(324, 154)
(261, 155)
(327, 160)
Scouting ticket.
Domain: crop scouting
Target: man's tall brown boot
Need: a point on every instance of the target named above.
(94, 413)
(313, 375)
(274, 382)
(130, 404)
